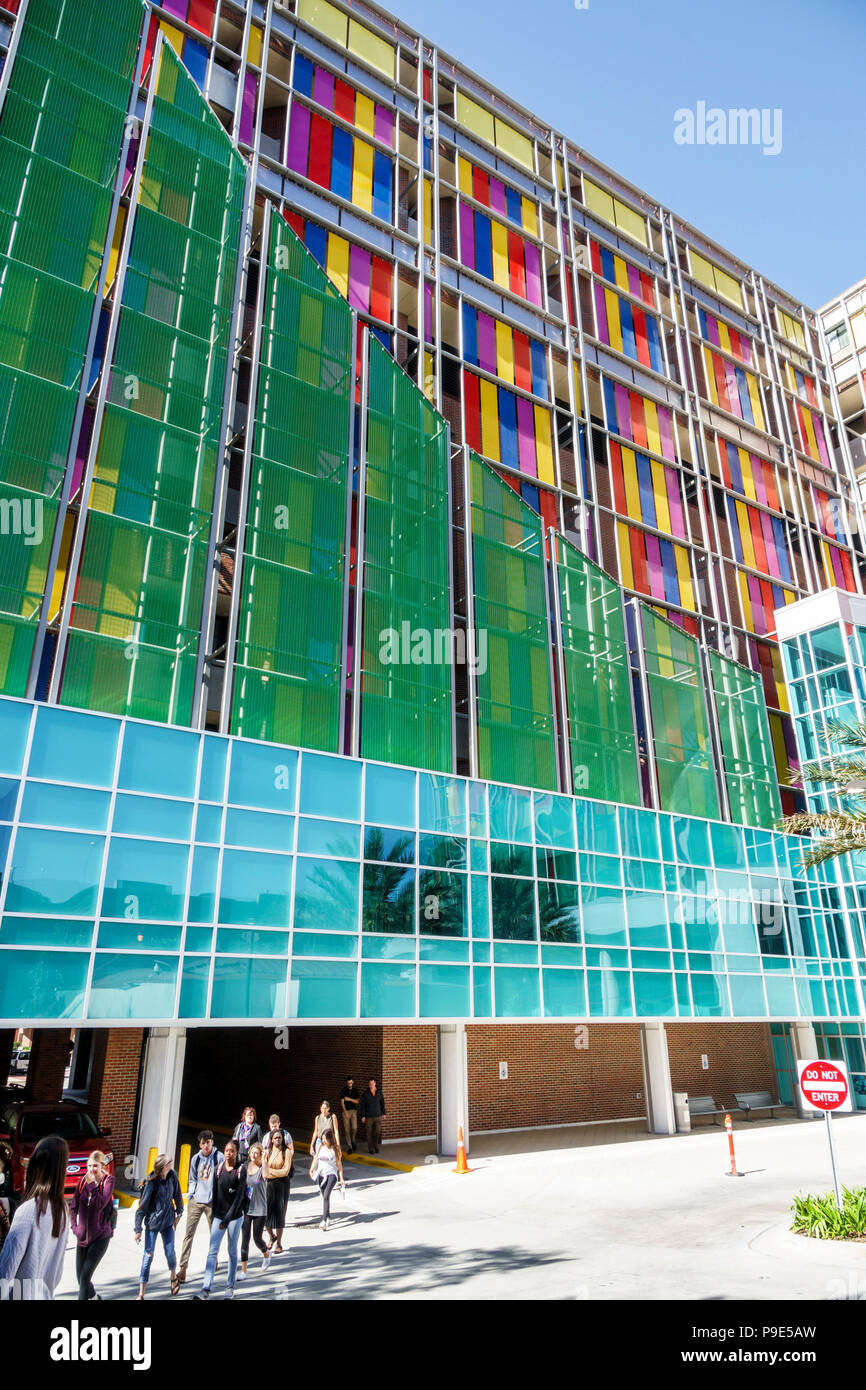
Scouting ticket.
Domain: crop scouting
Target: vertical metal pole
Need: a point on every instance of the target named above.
(347, 540)
(549, 640)
(837, 1189)
(717, 749)
(11, 52)
(360, 546)
(648, 715)
(243, 500)
(450, 534)
(469, 565)
(567, 780)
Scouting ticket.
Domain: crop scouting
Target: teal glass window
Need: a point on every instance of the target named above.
(208, 824)
(159, 760)
(248, 988)
(609, 994)
(441, 804)
(236, 941)
(389, 796)
(442, 903)
(442, 851)
(554, 820)
(478, 809)
(517, 992)
(72, 747)
(684, 998)
(747, 995)
(515, 953)
(647, 919)
(603, 917)
(444, 991)
(330, 787)
(709, 994)
(781, 995)
(14, 728)
(639, 831)
(651, 960)
(482, 992)
(643, 873)
(324, 944)
(479, 858)
(324, 988)
(511, 859)
(513, 903)
(479, 899)
(481, 952)
(666, 837)
(559, 912)
(74, 808)
(389, 846)
(387, 990)
(41, 984)
(124, 985)
(332, 837)
(510, 814)
(453, 949)
(564, 993)
(558, 953)
(255, 889)
(145, 879)
(142, 936)
(654, 994)
(388, 947)
(198, 939)
(212, 780)
(601, 868)
(9, 800)
(728, 849)
(596, 827)
(389, 899)
(52, 870)
(828, 647)
(193, 988)
(326, 895)
(692, 839)
(262, 776)
(44, 931)
(150, 815)
(698, 881)
(259, 830)
(202, 887)
(558, 864)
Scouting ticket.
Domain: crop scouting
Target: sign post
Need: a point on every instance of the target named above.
(825, 1088)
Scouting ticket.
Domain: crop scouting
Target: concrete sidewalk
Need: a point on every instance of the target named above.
(656, 1218)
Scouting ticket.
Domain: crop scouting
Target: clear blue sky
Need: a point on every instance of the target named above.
(610, 78)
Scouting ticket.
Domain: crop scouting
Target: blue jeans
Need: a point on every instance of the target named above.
(233, 1231)
(150, 1247)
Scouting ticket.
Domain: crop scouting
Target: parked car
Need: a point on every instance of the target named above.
(20, 1058)
(24, 1123)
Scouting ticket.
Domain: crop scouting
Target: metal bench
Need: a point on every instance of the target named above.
(705, 1105)
(756, 1100)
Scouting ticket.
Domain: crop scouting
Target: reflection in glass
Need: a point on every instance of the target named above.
(389, 899)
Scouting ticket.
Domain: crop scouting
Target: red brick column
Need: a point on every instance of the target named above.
(49, 1058)
(7, 1042)
(408, 1080)
(114, 1085)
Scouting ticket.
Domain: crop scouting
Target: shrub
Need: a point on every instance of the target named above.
(821, 1218)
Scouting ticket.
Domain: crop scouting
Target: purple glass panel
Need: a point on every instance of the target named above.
(299, 138)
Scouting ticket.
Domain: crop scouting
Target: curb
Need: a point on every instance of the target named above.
(372, 1162)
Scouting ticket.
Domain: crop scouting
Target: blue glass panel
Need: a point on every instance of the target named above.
(444, 992)
(710, 996)
(510, 814)
(195, 57)
(609, 994)
(324, 944)
(51, 870)
(326, 894)
(389, 846)
(145, 879)
(9, 798)
(388, 947)
(132, 986)
(324, 989)
(596, 827)
(727, 843)
(193, 988)
(666, 836)
(696, 881)
(443, 909)
(44, 931)
(554, 820)
(208, 824)
(75, 808)
(262, 776)
(336, 838)
(14, 728)
(603, 917)
(74, 747)
(781, 997)
(202, 888)
(482, 992)
(39, 984)
(330, 787)
(145, 815)
(442, 804)
(255, 889)
(652, 960)
(449, 948)
(239, 941)
(248, 988)
(387, 991)
(600, 868)
(259, 830)
(341, 163)
(564, 993)
(747, 996)
(212, 783)
(643, 873)
(479, 898)
(639, 831)
(692, 840)
(517, 992)
(478, 855)
(654, 994)
(198, 939)
(514, 916)
(389, 899)
(389, 797)
(553, 954)
(515, 953)
(303, 75)
(141, 936)
(746, 965)
(478, 809)
(159, 760)
(481, 952)
(759, 849)
(684, 998)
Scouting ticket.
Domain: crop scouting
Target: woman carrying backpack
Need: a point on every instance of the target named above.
(229, 1204)
(93, 1222)
(160, 1209)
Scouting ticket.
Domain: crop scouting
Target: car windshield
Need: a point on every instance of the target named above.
(69, 1124)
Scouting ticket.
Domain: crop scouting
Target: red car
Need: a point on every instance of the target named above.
(24, 1123)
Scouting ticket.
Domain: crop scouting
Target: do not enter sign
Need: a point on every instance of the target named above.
(824, 1086)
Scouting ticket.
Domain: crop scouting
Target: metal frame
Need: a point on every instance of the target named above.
(12, 51)
(360, 547)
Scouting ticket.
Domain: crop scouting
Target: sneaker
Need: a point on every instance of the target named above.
(230, 1293)
(200, 1297)
(324, 1226)
(266, 1260)
(242, 1274)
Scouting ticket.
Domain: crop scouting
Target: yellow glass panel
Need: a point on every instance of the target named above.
(745, 535)
(653, 437)
(630, 482)
(543, 445)
(728, 287)
(254, 47)
(369, 46)
(114, 253)
(778, 673)
(791, 328)
(504, 353)
(60, 576)
(174, 36)
(684, 574)
(578, 396)
(701, 269)
(475, 118)
(362, 176)
(365, 113)
(614, 332)
(598, 201)
(755, 398)
(324, 17)
(711, 380)
(489, 421)
(512, 143)
(812, 443)
(428, 212)
(429, 379)
(660, 494)
(464, 175)
(780, 752)
(724, 336)
(499, 238)
(746, 601)
(746, 471)
(630, 221)
(620, 273)
(625, 570)
(858, 329)
(338, 262)
(529, 216)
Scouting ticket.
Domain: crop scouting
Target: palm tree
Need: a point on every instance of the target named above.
(842, 831)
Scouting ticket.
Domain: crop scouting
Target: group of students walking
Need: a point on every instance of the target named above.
(241, 1191)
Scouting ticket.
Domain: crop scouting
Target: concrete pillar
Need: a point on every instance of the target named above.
(49, 1058)
(657, 1076)
(803, 1048)
(159, 1109)
(453, 1087)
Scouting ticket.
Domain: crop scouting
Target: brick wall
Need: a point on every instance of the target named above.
(113, 1093)
(740, 1057)
(49, 1058)
(409, 1080)
(550, 1081)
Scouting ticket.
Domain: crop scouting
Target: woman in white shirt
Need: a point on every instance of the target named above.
(325, 1168)
(31, 1261)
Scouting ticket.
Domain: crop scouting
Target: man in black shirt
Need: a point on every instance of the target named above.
(349, 1099)
(372, 1110)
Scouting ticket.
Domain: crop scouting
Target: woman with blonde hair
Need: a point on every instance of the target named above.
(160, 1208)
(93, 1222)
(257, 1209)
(31, 1260)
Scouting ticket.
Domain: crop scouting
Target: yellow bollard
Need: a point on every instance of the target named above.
(183, 1166)
(151, 1159)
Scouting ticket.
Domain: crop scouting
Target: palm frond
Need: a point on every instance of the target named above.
(839, 771)
(832, 848)
(846, 735)
(838, 823)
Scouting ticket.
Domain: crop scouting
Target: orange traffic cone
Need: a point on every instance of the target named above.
(462, 1165)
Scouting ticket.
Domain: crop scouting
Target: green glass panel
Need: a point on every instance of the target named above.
(288, 660)
(747, 749)
(681, 735)
(516, 735)
(406, 672)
